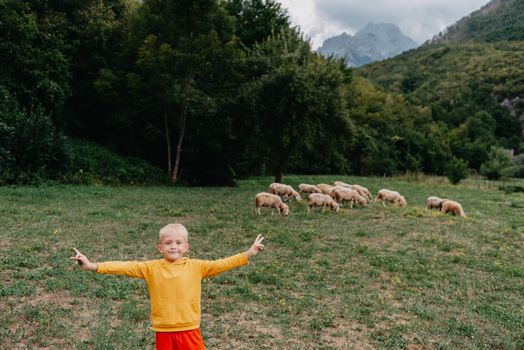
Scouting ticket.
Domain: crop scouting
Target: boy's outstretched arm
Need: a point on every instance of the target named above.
(211, 268)
(84, 262)
(256, 247)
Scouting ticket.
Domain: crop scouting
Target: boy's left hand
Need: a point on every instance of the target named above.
(256, 247)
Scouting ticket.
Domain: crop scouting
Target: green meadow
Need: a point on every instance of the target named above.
(363, 278)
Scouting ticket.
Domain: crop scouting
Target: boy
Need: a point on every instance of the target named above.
(174, 284)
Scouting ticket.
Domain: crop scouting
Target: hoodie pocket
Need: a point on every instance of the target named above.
(176, 313)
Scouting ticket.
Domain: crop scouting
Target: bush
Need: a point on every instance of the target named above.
(31, 149)
(6, 158)
(517, 169)
(92, 164)
(498, 160)
(512, 189)
(457, 170)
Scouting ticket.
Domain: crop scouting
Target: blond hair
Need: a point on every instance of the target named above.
(176, 227)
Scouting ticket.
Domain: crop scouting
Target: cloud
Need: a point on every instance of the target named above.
(418, 19)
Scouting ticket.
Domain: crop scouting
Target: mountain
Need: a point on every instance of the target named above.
(375, 42)
(498, 20)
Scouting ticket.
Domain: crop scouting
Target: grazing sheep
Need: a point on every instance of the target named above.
(285, 191)
(434, 202)
(342, 184)
(342, 193)
(452, 206)
(324, 200)
(264, 199)
(305, 188)
(326, 189)
(391, 196)
(363, 191)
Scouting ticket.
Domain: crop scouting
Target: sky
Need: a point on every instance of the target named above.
(418, 19)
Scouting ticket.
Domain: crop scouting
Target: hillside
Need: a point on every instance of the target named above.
(375, 42)
(470, 79)
(458, 80)
(498, 20)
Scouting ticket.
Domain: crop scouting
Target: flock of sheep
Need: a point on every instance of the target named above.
(333, 196)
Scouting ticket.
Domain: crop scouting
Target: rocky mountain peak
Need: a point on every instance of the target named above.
(376, 41)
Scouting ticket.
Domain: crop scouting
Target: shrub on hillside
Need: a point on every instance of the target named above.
(31, 149)
(493, 167)
(517, 167)
(457, 170)
(93, 164)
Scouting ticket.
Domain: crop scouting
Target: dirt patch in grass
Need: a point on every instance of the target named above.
(347, 335)
(5, 244)
(232, 330)
(41, 296)
(44, 312)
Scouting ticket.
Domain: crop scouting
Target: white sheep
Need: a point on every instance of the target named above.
(434, 202)
(285, 191)
(264, 199)
(342, 184)
(324, 200)
(391, 196)
(342, 193)
(306, 188)
(326, 189)
(452, 206)
(363, 191)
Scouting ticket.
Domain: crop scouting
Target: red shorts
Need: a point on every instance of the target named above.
(184, 340)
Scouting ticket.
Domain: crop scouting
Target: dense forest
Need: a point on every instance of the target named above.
(498, 20)
(204, 92)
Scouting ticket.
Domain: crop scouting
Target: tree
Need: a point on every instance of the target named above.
(256, 20)
(34, 84)
(101, 47)
(497, 162)
(33, 53)
(457, 170)
(473, 139)
(31, 149)
(298, 101)
(185, 56)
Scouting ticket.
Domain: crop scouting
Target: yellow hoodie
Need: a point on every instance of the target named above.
(174, 287)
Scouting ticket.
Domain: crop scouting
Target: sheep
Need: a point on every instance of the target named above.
(452, 206)
(363, 191)
(434, 202)
(342, 184)
(391, 196)
(320, 199)
(347, 194)
(326, 189)
(305, 188)
(285, 191)
(264, 199)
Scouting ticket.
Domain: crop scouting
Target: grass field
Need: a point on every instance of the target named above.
(363, 278)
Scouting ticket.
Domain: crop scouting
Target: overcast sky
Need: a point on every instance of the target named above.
(418, 19)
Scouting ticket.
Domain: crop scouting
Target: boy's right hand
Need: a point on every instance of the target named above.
(83, 261)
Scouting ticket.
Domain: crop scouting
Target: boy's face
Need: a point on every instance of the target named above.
(173, 245)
